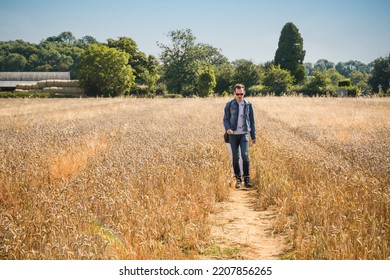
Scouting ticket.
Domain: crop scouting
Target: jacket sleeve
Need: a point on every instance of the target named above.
(252, 120)
(226, 117)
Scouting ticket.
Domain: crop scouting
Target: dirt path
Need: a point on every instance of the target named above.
(240, 232)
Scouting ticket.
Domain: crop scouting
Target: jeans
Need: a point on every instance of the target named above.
(240, 141)
(239, 156)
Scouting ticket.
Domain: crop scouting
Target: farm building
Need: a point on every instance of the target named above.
(55, 83)
(9, 80)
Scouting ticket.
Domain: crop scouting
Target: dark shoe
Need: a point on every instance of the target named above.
(238, 183)
(248, 183)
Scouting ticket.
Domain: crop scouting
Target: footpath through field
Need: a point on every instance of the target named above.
(241, 232)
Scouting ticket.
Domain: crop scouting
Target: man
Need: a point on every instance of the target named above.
(239, 123)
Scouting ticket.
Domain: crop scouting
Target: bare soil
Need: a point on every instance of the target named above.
(241, 232)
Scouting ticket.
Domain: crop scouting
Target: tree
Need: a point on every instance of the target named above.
(88, 40)
(184, 59)
(65, 37)
(15, 55)
(13, 62)
(150, 74)
(145, 67)
(381, 74)
(206, 81)
(308, 68)
(246, 72)
(210, 55)
(318, 83)
(224, 78)
(358, 76)
(360, 79)
(105, 71)
(277, 80)
(32, 62)
(290, 53)
(55, 56)
(346, 68)
(323, 65)
(179, 61)
(334, 76)
(57, 53)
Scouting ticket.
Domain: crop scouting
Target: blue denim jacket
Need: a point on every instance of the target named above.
(230, 117)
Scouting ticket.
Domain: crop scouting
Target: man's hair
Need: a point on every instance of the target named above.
(238, 86)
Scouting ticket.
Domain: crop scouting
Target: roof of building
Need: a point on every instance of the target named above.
(11, 79)
(34, 76)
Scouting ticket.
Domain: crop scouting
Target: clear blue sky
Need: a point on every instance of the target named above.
(336, 30)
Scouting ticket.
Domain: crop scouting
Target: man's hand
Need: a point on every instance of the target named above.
(229, 131)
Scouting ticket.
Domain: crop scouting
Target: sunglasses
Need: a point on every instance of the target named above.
(239, 94)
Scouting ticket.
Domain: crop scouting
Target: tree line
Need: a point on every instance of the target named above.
(185, 67)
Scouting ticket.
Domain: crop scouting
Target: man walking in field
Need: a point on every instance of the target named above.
(239, 122)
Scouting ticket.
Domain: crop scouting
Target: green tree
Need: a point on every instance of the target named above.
(184, 58)
(145, 67)
(359, 77)
(308, 68)
(360, 80)
(65, 37)
(105, 71)
(224, 78)
(323, 65)
(33, 62)
(56, 53)
(346, 68)
(317, 84)
(210, 55)
(14, 55)
(380, 74)
(299, 77)
(150, 74)
(13, 62)
(246, 72)
(125, 44)
(290, 53)
(334, 76)
(206, 81)
(179, 61)
(277, 80)
(86, 40)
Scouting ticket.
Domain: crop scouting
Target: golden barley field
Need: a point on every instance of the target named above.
(138, 178)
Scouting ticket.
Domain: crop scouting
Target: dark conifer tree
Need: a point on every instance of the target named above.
(290, 53)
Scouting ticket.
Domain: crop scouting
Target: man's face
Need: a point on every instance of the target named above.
(239, 94)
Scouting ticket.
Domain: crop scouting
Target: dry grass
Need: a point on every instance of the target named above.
(137, 179)
(108, 178)
(326, 164)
